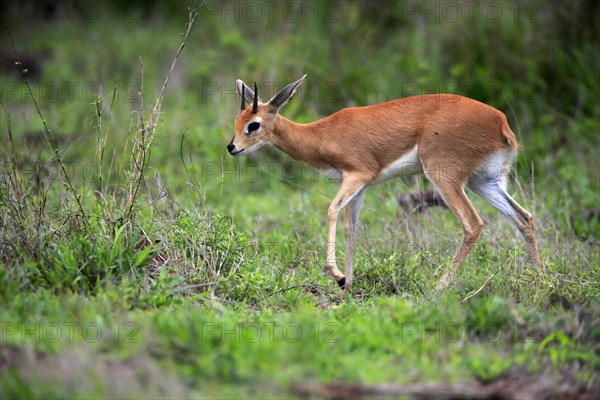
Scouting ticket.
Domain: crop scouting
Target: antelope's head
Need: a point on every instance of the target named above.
(254, 124)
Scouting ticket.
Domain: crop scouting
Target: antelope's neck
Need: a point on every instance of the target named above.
(302, 142)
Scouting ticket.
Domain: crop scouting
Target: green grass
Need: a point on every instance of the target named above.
(238, 350)
(193, 274)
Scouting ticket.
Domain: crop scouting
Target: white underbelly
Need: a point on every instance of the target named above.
(407, 165)
(331, 173)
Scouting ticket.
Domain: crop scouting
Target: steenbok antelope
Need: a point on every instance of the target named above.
(455, 141)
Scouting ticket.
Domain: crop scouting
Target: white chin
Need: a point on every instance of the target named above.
(252, 148)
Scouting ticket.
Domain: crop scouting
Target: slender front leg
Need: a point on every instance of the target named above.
(350, 220)
(351, 185)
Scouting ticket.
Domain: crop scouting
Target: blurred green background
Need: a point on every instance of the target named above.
(536, 61)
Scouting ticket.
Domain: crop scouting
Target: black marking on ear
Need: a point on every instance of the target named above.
(342, 282)
(284, 95)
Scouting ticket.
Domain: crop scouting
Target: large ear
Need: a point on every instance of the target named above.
(285, 95)
(248, 93)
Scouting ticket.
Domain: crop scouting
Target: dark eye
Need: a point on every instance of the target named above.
(253, 127)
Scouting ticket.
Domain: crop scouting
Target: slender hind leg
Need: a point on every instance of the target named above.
(493, 192)
(471, 223)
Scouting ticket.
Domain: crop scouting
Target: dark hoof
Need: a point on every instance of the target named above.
(342, 282)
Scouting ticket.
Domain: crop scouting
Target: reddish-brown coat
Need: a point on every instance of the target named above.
(367, 139)
(454, 136)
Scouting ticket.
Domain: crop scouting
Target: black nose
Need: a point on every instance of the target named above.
(230, 147)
